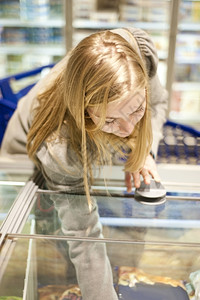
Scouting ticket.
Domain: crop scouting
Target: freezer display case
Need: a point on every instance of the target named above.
(7, 196)
(153, 249)
(40, 269)
(11, 183)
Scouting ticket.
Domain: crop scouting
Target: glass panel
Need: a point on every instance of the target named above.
(7, 196)
(11, 182)
(19, 178)
(121, 217)
(41, 269)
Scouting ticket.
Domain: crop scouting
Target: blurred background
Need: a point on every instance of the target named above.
(34, 33)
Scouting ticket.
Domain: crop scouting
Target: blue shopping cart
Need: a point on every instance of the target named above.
(9, 98)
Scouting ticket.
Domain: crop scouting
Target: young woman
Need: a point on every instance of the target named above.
(97, 106)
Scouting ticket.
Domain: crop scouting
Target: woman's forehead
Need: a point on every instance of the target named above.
(127, 104)
(131, 102)
(137, 97)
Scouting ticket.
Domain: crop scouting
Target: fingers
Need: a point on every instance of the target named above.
(136, 179)
(146, 176)
(128, 181)
(150, 166)
(155, 175)
(148, 171)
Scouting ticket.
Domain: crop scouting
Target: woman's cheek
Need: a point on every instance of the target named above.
(94, 119)
(110, 128)
(137, 118)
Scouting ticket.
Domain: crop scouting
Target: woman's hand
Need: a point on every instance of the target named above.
(149, 170)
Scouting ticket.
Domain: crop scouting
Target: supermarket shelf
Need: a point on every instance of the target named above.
(187, 60)
(33, 49)
(186, 86)
(56, 23)
(189, 27)
(182, 117)
(89, 24)
(180, 63)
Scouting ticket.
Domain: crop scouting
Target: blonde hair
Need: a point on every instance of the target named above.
(102, 68)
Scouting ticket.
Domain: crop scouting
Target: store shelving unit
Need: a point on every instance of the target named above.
(38, 32)
(31, 34)
(185, 100)
(175, 29)
(153, 17)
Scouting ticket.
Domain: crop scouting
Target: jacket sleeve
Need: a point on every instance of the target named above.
(158, 94)
(62, 172)
(159, 106)
(15, 137)
(93, 269)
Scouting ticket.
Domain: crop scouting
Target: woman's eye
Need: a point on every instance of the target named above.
(141, 108)
(109, 122)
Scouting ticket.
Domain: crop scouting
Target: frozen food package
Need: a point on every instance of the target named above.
(135, 284)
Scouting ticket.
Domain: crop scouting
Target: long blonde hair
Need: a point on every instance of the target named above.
(102, 68)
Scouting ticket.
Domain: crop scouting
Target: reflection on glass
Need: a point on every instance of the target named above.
(42, 268)
(15, 176)
(11, 183)
(7, 197)
(122, 218)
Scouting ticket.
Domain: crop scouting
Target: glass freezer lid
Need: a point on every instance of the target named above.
(8, 194)
(41, 267)
(12, 180)
(14, 177)
(125, 218)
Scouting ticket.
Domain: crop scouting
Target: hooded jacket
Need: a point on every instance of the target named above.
(55, 159)
(59, 166)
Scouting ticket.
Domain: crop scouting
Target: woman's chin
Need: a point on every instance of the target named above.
(122, 135)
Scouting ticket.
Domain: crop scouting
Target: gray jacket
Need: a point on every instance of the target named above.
(14, 141)
(59, 166)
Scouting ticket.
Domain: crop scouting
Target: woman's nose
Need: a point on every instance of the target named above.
(127, 125)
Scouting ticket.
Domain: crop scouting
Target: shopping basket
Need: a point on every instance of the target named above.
(9, 98)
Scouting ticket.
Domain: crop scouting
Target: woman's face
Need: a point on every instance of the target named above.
(121, 116)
